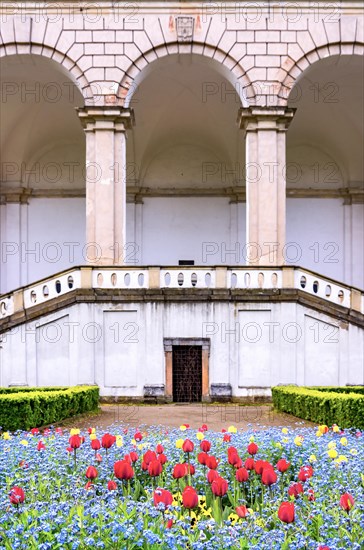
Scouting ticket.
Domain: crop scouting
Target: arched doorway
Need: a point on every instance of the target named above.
(43, 175)
(325, 188)
(185, 164)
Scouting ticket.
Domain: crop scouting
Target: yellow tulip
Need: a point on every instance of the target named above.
(74, 431)
(232, 429)
(298, 440)
(343, 441)
(93, 436)
(284, 430)
(179, 443)
(332, 453)
(24, 442)
(335, 428)
(6, 435)
(331, 445)
(312, 458)
(183, 428)
(200, 436)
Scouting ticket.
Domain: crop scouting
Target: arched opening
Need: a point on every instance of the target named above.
(185, 164)
(42, 170)
(325, 212)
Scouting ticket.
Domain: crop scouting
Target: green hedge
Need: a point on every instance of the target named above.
(34, 407)
(341, 406)
(17, 389)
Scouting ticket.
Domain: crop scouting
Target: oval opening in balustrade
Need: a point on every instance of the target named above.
(141, 279)
(303, 281)
(58, 286)
(70, 281)
(3, 308)
(33, 296)
(180, 279)
(340, 296)
(127, 279)
(247, 280)
(328, 290)
(315, 286)
(100, 279)
(167, 279)
(234, 280)
(114, 279)
(260, 280)
(45, 291)
(193, 279)
(274, 280)
(208, 279)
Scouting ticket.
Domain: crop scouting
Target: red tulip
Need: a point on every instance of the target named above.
(162, 458)
(311, 495)
(305, 473)
(98, 457)
(283, 465)
(242, 475)
(180, 470)
(219, 487)
(123, 470)
(286, 512)
(212, 475)
(111, 485)
(133, 456)
(227, 437)
(149, 456)
(40, 446)
(232, 451)
(234, 459)
(155, 468)
(138, 436)
(249, 464)
(34, 431)
(159, 449)
(295, 489)
(88, 485)
(346, 502)
(211, 462)
(75, 441)
(95, 444)
(169, 524)
(107, 440)
(323, 548)
(161, 495)
(205, 446)
(189, 497)
(253, 448)
(91, 473)
(242, 511)
(16, 495)
(261, 465)
(188, 446)
(202, 457)
(269, 477)
(203, 428)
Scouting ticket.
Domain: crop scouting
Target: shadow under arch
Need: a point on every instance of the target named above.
(303, 64)
(229, 68)
(64, 64)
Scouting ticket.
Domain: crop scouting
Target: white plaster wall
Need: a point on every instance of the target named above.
(120, 346)
(56, 231)
(192, 228)
(315, 227)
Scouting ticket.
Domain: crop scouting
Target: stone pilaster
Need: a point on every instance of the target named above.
(105, 129)
(265, 137)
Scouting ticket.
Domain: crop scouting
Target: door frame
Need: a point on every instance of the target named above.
(168, 344)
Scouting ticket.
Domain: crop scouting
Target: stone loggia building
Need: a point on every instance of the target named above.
(181, 196)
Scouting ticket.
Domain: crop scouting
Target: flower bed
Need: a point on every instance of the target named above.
(26, 407)
(344, 405)
(182, 489)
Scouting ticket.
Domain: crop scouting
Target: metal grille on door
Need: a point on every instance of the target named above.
(187, 374)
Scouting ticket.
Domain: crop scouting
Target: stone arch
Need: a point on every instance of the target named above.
(298, 68)
(66, 64)
(230, 68)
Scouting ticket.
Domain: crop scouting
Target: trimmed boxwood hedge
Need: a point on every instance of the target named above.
(343, 406)
(25, 408)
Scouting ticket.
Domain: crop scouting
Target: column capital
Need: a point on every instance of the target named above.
(107, 117)
(253, 118)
